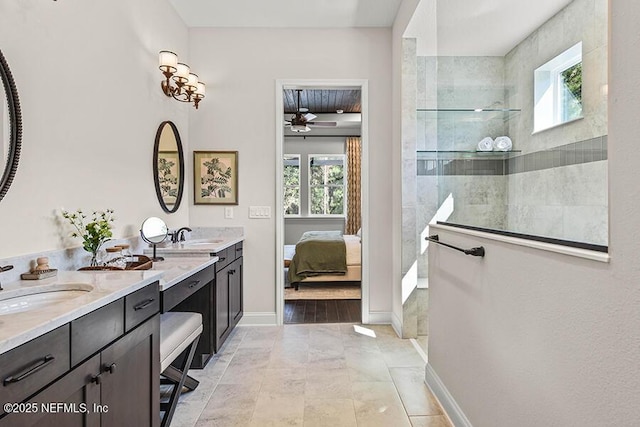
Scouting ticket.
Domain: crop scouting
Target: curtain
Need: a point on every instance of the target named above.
(353, 185)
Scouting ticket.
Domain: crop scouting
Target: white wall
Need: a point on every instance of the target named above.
(89, 87)
(531, 338)
(240, 67)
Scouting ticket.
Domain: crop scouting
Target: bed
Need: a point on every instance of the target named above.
(316, 267)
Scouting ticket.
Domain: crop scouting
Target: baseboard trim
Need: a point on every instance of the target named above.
(448, 403)
(379, 317)
(258, 319)
(396, 324)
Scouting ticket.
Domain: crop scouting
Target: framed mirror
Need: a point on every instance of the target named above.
(168, 166)
(10, 127)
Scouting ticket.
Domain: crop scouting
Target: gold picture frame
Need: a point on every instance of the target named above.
(215, 180)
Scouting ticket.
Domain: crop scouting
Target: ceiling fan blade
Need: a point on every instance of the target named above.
(309, 117)
(322, 123)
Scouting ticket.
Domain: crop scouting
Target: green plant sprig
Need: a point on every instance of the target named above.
(93, 233)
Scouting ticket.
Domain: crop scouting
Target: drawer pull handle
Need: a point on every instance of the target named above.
(194, 284)
(144, 304)
(31, 370)
(221, 259)
(239, 250)
(96, 379)
(232, 272)
(111, 368)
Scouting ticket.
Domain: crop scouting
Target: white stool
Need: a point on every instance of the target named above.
(179, 333)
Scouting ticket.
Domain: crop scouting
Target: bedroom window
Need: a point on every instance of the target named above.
(326, 184)
(292, 184)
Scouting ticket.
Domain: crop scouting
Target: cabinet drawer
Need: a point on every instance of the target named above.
(180, 291)
(225, 257)
(93, 331)
(141, 305)
(33, 365)
(238, 250)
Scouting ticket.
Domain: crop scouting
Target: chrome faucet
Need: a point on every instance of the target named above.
(5, 268)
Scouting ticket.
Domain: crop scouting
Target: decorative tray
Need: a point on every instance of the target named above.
(142, 262)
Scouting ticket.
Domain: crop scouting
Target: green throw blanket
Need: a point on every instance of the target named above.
(318, 252)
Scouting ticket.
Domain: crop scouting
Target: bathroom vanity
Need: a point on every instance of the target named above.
(92, 360)
(82, 348)
(214, 288)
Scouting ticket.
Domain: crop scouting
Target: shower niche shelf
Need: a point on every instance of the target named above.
(465, 154)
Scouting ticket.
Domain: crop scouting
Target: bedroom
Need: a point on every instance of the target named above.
(321, 198)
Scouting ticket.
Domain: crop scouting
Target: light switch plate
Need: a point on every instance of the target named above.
(259, 211)
(228, 212)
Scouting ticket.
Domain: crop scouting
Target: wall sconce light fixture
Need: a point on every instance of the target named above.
(180, 83)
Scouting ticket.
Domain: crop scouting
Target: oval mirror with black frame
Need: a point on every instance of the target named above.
(10, 127)
(168, 166)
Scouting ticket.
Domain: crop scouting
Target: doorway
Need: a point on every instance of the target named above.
(314, 203)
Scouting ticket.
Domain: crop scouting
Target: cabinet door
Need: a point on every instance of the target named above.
(223, 324)
(130, 380)
(68, 402)
(235, 291)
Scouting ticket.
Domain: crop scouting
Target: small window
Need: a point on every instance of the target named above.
(326, 184)
(292, 184)
(558, 90)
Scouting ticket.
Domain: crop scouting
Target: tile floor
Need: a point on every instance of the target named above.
(311, 375)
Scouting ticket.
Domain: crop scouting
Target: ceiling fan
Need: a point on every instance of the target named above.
(302, 119)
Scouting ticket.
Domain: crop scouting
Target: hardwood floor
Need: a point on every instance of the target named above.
(322, 311)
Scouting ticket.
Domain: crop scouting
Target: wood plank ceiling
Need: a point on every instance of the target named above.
(322, 100)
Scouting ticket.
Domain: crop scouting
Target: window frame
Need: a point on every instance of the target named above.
(343, 157)
(299, 186)
(548, 83)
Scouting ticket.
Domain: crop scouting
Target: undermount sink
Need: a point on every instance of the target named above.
(21, 300)
(200, 243)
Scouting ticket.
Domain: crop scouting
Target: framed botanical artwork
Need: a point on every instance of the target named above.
(215, 177)
(168, 174)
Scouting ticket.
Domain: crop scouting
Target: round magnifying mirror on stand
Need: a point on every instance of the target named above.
(154, 231)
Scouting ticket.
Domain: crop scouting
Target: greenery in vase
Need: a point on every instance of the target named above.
(94, 232)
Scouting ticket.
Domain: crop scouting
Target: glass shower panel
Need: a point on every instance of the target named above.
(477, 144)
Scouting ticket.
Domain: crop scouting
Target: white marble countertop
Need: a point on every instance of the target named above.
(175, 269)
(107, 286)
(195, 248)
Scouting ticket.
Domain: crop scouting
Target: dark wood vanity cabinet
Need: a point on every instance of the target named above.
(196, 294)
(229, 298)
(112, 371)
(216, 292)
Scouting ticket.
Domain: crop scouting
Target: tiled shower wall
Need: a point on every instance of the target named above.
(460, 83)
(567, 200)
(556, 187)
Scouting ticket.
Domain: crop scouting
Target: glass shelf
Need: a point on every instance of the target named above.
(469, 110)
(470, 114)
(465, 154)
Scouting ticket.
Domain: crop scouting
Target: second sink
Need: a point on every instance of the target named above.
(21, 300)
